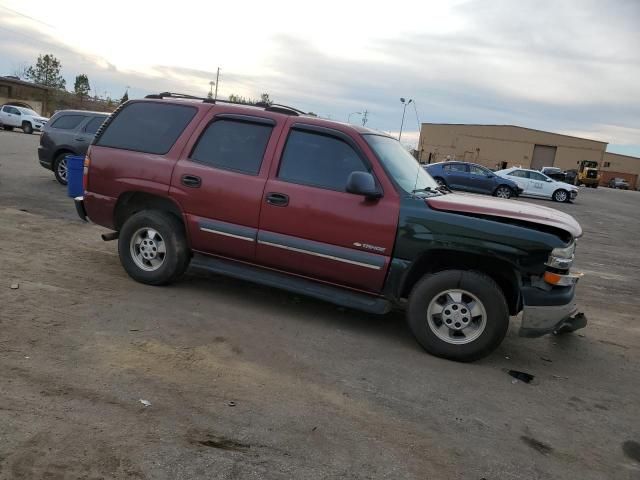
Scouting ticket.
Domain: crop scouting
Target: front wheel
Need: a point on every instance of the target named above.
(153, 247)
(459, 315)
(503, 192)
(560, 196)
(27, 128)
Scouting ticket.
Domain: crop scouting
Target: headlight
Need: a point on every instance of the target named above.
(562, 258)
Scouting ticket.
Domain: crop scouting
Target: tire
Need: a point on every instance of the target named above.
(60, 168)
(429, 295)
(27, 128)
(561, 195)
(8, 128)
(139, 248)
(503, 192)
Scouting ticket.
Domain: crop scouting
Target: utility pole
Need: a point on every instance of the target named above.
(364, 117)
(217, 81)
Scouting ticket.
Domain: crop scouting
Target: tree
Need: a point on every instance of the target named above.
(81, 86)
(238, 99)
(125, 97)
(264, 98)
(46, 72)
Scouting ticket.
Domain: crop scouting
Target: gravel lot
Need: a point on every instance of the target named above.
(250, 382)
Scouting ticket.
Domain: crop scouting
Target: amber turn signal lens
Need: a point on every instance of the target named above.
(552, 278)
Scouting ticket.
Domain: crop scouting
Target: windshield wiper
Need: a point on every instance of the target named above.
(425, 189)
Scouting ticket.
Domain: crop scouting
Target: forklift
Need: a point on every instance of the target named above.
(588, 174)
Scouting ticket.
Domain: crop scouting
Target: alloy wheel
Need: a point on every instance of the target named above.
(456, 316)
(148, 249)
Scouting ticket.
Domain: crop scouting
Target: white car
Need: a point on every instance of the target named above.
(19, 117)
(538, 185)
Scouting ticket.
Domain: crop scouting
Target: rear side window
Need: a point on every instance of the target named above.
(319, 160)
(233, 145)
(93, 125)
(519, 173)
(148, 127)
(68, 122)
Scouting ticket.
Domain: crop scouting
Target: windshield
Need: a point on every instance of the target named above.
(400, 165)
(28, 111)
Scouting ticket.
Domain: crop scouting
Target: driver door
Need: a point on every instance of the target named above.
(11, 116)
(538, 185)
(309, 224)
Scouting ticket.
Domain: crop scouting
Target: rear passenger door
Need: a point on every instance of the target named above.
(309, 224)
(457, 175)
(64, 132)
(219, 182)
(83, 135)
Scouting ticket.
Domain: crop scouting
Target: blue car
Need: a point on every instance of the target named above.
(472, 178)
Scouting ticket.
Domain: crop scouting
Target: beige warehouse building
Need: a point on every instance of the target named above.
(502, 146)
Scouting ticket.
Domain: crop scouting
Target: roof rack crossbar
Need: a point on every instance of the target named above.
(276, 107)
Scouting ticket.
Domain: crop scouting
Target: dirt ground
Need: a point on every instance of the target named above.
(250, 382)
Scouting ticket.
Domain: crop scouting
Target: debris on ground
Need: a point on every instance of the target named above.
(231, 403)
(545, 359)
(146, 403)
(522, 376)
(560, 377)
(15, 286)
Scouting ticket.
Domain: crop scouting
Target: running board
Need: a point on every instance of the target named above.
(302, 286)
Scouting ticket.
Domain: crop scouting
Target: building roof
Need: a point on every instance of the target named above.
(17, 81)
(514, 126)
(631, 157)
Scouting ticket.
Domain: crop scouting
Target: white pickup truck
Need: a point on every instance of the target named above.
(19, 117)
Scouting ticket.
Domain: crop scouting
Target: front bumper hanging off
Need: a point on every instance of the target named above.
(550, 311)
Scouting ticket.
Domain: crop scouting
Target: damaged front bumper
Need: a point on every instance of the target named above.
(550, 311)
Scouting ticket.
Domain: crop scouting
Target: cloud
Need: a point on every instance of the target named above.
(570, 67)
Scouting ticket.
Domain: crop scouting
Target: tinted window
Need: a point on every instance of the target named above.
(455, 167)
(233, 145)
(519, 173)
(68, 122)
(150, 127)
(477, 170)
(13, 110)
(319, 160)
(537, 176)
(93, 125)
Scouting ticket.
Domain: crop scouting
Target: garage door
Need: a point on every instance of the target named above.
(543, 156)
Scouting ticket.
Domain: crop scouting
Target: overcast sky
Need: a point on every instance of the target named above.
(566, 66)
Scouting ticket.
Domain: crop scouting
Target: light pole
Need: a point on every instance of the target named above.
(352, 113)
(211, 84)
(403, 112)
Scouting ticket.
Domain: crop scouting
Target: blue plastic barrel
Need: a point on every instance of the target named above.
(75, 167)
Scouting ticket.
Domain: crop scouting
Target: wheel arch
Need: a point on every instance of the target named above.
(501, 271)
(59, 151)
(131, 202)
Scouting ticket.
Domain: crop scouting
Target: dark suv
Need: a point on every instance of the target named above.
(68, 132)
(325, 209)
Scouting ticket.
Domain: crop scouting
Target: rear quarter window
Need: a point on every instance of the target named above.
(150, 127)
(67, 122)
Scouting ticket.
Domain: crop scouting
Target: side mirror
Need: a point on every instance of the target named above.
(363, 183)
(490, 175)
(549, 180)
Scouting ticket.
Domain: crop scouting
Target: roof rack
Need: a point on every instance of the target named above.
(273, 107)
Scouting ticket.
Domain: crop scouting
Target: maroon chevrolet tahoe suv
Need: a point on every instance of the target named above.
(329, 210)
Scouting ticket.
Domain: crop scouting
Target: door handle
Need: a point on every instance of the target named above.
(191, 181)
(278, 199)
(79, 139)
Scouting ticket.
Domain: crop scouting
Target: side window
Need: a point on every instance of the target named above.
(150, 127)
(519, 173)
(233, 145)
(93, 125)
(537, 176)
(319, 160)
(476, 170)
(456, 167)
(67, 122)
(15, 111)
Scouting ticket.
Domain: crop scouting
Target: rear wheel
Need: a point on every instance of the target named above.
(503, 192)
(27, 128)
(560, 196)
(457, 314)
(153, 247)
(60, 168)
